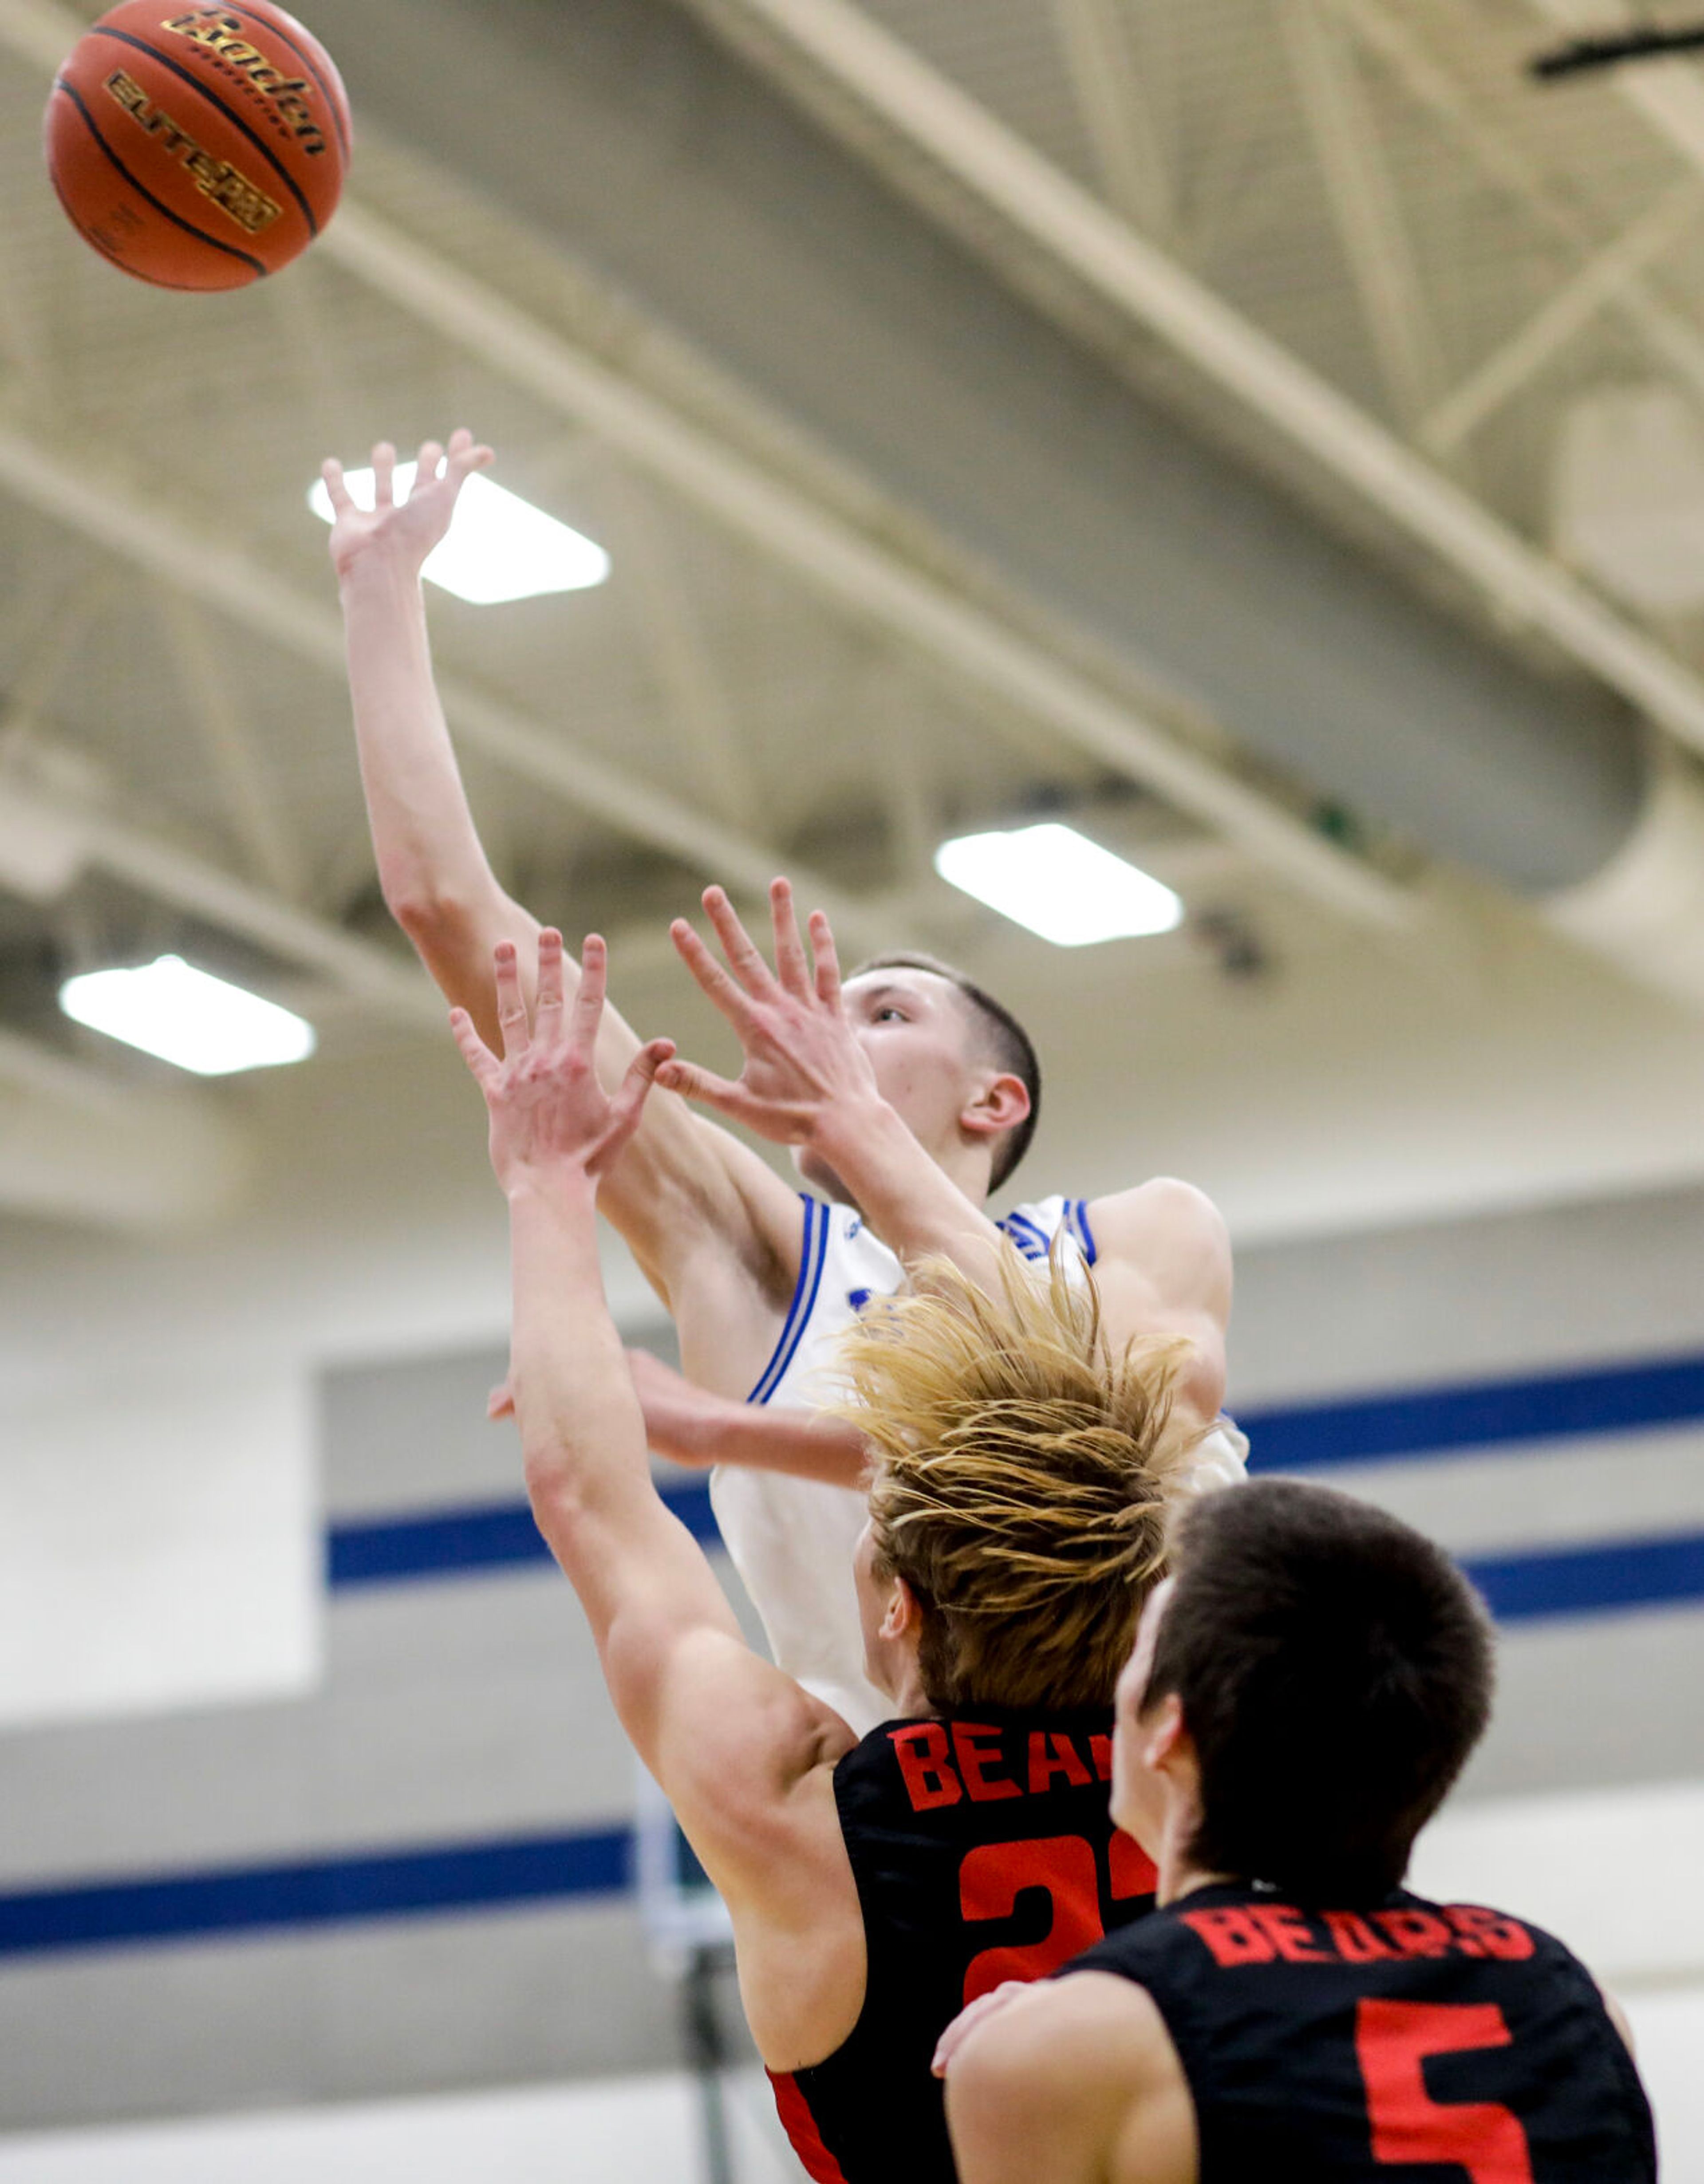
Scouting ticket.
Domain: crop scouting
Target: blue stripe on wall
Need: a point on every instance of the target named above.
(310, 1893)
(330, 1891)
(1592, 1581)
(465, 1541)
(1487, 1414)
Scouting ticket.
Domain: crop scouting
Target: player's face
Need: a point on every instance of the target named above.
(1138, 1799)
(914, 1027)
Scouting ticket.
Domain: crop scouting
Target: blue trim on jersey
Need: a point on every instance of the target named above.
(1077, 1213)
(812, 1257)
(1023, 1232)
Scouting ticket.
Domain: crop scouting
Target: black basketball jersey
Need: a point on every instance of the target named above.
(1425, 2042)
(983, 1851)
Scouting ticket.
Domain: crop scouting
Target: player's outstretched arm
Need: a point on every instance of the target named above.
(728, 1735)
(1070, 2081)
(807, 1082)
(692, 1426)
(695, 1205)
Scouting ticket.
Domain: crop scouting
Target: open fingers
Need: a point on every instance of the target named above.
(692, 1083)
(714, 981)
(384, 475)
(628, 1106)
(475, 1052)
(546, 1008)
(511, 1002)
(745, 957)
(791, 968)
(467, 455)
(594, 980)
(825, 960)
(332, 472)
(427, 464)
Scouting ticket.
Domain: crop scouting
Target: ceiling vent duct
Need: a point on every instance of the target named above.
(1645, 911)
(1629, 496)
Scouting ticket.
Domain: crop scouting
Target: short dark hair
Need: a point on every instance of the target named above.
(1007, 1041)
(1334, 1670)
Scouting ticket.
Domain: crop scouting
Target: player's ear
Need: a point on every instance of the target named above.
(902, 1617)
(1165, 1735)
(996, 1105)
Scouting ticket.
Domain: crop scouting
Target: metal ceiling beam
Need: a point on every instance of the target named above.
(974, 644)
(1365, 207)
(1566, 312)
(852, 60)
(92, 836)
(237, 762)
(851, 568)
(1116, 115)
(1670, 336)
(221, 575)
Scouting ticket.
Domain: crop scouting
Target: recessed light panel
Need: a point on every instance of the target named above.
(188, 1016)
(1056, 882)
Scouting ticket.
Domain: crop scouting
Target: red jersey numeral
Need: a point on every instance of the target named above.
(1392, 2040)
(995, 1876)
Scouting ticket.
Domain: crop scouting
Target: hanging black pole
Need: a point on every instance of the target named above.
(1644, 42)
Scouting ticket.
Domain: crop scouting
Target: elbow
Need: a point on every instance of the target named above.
(432, 916)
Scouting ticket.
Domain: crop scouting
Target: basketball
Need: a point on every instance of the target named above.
(200, 150)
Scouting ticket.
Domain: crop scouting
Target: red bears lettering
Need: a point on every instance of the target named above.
(1354, 1940)
(976, 1764)
(1416, 1933)
(1051, 1754)
(1233, 1936)
(1100, 1751)
(1481, 1933)
(1289, 1933)
(920, 1748)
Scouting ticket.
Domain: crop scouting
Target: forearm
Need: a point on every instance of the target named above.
(692, 1426)
(424, 837)
(582, 1431)
(916, 1208)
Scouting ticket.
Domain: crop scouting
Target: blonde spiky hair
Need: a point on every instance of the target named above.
(1023, 1476)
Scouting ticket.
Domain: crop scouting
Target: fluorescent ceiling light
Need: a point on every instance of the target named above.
(1057, 883)
(171, 1008)
(499, 547)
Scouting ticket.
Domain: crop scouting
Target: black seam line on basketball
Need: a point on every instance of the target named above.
(103, 250)
(141, 190)
(212, 98)
(312, 66)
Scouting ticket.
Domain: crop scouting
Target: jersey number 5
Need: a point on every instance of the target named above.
(994, 1875)
(1392, 2040)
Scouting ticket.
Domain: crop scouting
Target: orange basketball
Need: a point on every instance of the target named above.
(198, 148)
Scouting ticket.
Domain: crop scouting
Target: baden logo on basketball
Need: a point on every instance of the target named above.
(220, 33)
(216, 179)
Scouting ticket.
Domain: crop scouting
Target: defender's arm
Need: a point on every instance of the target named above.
(690, 1425)
(730, 1740)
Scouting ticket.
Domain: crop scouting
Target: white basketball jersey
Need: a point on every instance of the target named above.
(792, 1540)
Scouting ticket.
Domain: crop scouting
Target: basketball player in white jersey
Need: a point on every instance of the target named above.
(755, 1282)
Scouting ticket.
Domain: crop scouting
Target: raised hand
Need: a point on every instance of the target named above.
(404, 531)
(802, 1061)
(550, 1115)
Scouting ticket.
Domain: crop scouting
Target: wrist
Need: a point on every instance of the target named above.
(380, 574)
(562, 1183)
(856, 1132)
